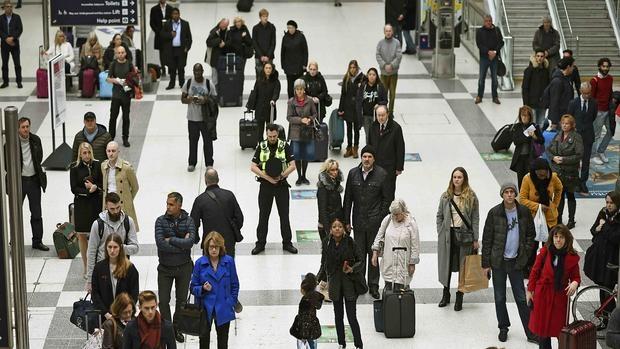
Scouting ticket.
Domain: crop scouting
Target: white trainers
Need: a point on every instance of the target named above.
(597, 160)
(603, 157)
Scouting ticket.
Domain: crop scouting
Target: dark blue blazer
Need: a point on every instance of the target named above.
(14, 28)
(583, 120)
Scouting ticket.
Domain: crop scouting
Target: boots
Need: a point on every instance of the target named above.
(458, 304)
(354, 152)
(126, 143)
(445, 300)
(348, 152)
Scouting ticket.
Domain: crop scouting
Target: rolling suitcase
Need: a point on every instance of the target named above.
(336, 130)
(230, 81)
(398, 308)
(88, 83)
(248, 131)
(579, 334)
(42, 89)
(65, 238)
(105, 88)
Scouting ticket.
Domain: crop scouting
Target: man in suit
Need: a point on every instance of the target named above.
(584, 109)
(160, 14)
(176, 40)
(10, 30)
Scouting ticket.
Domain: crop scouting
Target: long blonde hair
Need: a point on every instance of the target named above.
(328, 164)
(84, 145)
(57, 38)
(467, 194)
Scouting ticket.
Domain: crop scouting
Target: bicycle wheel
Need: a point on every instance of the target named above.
(587, 306)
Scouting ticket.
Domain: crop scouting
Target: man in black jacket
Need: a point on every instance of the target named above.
(34, 179)
(395, 15)
(10, 30)
(176, 41)
(95, 134)
(560, 90)
(489, 41)
(535, 80)
(175, 235)
(367, 194)
(219, 211)
(132, 336)
(386, 136)
(575, 78)
(584, 109)
(160, 14)
(263, 40)
(507, 243)
(217, 42)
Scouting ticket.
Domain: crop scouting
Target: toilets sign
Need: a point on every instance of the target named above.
(94, 12)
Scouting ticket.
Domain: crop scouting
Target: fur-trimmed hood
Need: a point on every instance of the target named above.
(535, 64)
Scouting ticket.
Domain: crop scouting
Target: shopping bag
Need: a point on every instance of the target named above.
(540, 224)
(471, 276)
(95, 341)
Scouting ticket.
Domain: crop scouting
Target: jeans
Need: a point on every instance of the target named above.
(205, 334)
(368, 120)
(572, 206)
(364, 238)
(539, 113)
(32, 189)
(303, 150)
(389, 81)
(339, 306)
(195, 129)
(181, 276)
(6, 49)
(306, 344)
(353, 134)
(175, 66)
(507, 270)
(118, 103)
(409, 41)
(266, 194)
(485, 64)
(600, 145)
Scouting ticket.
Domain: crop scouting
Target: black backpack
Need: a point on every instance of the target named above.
(545, 99)
(503, 138)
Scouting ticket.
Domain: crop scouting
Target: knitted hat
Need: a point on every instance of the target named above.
(507, 186)
(292, 22)
(369, 149)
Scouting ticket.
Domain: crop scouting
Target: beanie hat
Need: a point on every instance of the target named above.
(369, 149)
(292, 22)
(507, 186)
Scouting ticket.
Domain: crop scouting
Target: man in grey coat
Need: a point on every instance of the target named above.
(388, 57)
(547, 40)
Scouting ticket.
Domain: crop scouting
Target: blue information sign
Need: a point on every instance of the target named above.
(94, 12)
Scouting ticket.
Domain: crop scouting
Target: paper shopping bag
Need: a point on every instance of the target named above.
(471, 276)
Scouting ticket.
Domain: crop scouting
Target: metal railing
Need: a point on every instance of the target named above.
(557, 23)
(573, 41)
(613, 16)
(506, 82)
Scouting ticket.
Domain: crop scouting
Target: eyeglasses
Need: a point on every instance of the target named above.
(213, 247)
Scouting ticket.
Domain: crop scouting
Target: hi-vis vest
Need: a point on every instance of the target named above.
(265, 153)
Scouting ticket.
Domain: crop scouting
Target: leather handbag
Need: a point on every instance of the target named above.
(84, 315)
(188, 317)
(464, 236)
(501, 67)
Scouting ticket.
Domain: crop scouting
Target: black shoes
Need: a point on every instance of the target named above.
(299, 182)
(503, 334)
(305, 180)
(19, 85)
(458, 303)
(374, 292)
(170, 87)
(258, 249)
(445, 300)
(126, 143)
(289, 248)
(532, 338)
(179, 337)
(570, 225)
(4, 85)
(40, 246)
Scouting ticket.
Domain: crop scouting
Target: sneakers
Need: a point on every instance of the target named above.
(603, 157)
(597, 159)
(503, 335)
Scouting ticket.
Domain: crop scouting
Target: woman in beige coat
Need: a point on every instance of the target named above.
(450, 254)
(126, 182)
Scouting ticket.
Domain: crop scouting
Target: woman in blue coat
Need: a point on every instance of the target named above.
(216, 285)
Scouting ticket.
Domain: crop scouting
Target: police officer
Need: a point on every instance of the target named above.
(273, 161)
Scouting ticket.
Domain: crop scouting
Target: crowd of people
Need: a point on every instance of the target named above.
(360, 221)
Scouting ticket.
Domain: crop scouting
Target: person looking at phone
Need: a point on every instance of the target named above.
(194, 94)
(553, 279)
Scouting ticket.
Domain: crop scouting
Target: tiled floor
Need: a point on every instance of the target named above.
(439, 120)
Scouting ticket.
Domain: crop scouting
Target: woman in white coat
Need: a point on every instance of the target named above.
(398, 229)
(63, 47)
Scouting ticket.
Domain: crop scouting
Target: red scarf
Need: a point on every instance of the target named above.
(300, 102)
(150, 333)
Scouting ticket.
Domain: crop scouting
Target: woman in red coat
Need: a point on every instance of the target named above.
(554, 278)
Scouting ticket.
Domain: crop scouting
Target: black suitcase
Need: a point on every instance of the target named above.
(321, 146)
(244, 5)
(399, 308)
(230, 81)
(281, 132)
(248, 131)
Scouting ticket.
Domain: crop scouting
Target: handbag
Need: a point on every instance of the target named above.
(540, 224)
(82, 315)
(306, 133)
(464, 237)
(188, 317)
(318, 132)
(236, 231)
(248, 51)
(359, 283)
(328, 100)
(501, 67)
(89, 62)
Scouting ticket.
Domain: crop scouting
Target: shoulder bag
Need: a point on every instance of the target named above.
(188, 317)
(464, 235)
(233, 225)
(501, 67)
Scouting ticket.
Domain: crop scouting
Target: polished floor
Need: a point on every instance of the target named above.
(440, 122)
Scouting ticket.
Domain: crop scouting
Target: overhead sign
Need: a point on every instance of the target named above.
(57, 95)
(94, 12)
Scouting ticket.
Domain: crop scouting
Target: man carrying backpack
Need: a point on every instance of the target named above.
(112, 220)
(559, 92)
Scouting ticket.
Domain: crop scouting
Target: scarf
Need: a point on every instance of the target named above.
(300, 102)
(558, 269)
(541, 185)
(611, 216)
(329, 183)
(150, 334)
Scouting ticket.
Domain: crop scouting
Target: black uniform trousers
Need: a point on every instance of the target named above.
(175, 66)
(7, 49)
(32, 189)
(266, 194)
(195, 129)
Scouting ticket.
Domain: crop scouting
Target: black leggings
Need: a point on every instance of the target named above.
(353, 128)
(339, 306)
(301, 167)
(572, 206)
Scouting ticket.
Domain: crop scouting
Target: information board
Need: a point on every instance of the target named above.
(57, 95)
(94, 12)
